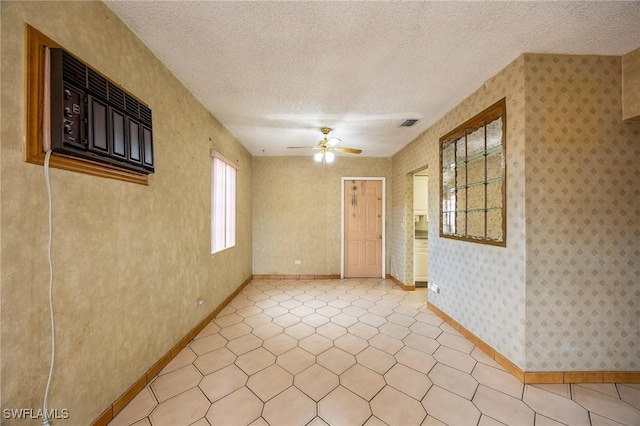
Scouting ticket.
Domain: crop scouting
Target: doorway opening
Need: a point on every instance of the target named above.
(420, 221)
(362, 227)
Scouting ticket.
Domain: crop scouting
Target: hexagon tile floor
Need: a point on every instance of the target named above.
(353, 352)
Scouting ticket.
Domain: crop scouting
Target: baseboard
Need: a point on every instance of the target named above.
(539, 377)
(152, 372)
(295, 277)
(401, 284)
(582, 377)
(322, 277)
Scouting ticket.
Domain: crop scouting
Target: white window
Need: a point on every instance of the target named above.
(223, 203)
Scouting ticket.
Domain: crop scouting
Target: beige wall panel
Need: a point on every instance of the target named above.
(296, 211)
(570, 303)
(129, 260)
(482, 286)
(583, 227)
(631, 85)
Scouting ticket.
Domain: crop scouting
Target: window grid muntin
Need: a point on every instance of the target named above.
(455, 158)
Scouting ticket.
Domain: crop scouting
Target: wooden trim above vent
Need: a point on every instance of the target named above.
(35, 43)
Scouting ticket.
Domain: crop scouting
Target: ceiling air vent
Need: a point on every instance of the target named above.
(409, 122)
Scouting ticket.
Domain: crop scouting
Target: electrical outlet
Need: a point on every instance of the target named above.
(199, 302)
(297, 262)
(434, 288)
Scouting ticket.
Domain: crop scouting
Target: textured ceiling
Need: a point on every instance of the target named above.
(275, 72)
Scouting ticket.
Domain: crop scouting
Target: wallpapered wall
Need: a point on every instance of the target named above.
(129, 260)
(563, 295)
(296, 211)
(482, 287)
(631, 85)
(583, 216)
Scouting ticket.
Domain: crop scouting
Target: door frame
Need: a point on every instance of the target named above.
(384, 214)
(413, 175)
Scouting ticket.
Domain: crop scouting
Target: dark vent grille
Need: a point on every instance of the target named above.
(73, 70)
(97, 84)
(131, 105)
(94, 119)
(145, 115)
(116, 96)
(410, 122)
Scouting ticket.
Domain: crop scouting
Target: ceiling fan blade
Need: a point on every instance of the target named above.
(348, 150)
(333, 141)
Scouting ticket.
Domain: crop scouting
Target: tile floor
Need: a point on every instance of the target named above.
(353, 352)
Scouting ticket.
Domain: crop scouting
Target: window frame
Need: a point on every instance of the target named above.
(229, 210)
(480, 121)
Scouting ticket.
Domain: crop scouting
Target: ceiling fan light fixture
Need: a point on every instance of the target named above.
(327, 148)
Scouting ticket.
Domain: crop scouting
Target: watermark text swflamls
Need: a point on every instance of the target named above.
(30, 413)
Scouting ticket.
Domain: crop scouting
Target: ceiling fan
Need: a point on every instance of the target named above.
(327, 147)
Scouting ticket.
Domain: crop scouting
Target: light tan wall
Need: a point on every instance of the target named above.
(482, 286)
(296, 211)
(129, 260)
(583, 226)
(631, 85)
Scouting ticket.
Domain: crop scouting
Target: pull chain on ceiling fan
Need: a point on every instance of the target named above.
(327, 147)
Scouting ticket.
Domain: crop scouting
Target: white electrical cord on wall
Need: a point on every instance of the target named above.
(45, 413)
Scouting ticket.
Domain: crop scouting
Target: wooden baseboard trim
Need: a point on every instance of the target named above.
(295, 277)
(539, 377)
(401, 284)
(582, 377)
(124, 399)
(323, 277)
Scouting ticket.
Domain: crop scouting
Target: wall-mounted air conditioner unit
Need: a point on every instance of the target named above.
(94, 119)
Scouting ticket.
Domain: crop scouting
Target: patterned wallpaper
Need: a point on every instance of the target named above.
(482, 287)
(631, 85)
(296, 211)
(583, 217)
(564, 294)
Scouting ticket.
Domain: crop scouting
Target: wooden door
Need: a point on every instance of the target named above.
(363, 228)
